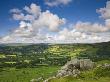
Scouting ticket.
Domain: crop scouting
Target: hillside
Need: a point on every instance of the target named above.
(51, 54)
(31, 61)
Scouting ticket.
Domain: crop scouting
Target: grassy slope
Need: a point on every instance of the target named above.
(26, 74)
(69, 79)
(97, 74)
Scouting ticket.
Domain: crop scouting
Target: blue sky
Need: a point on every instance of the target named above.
(73, 11)
(83, 10)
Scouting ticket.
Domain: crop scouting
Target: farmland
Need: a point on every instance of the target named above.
(22, 63)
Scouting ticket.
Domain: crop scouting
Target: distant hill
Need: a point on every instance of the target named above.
(15, 44)
(53, 54)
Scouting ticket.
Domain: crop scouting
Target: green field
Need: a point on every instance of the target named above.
(26, 74)
(70, 79)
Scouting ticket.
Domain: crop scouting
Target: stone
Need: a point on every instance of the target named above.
(86, 64)
(74, 66)
(47, 80)
(37, 80)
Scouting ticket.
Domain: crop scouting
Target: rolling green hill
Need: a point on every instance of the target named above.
(31, 61)
(51, 54)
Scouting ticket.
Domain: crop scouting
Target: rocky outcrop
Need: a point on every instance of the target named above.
(74, 66)
(106, 65)
(47, 80)
(37, 80)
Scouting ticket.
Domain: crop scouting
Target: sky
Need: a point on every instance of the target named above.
(54, 21)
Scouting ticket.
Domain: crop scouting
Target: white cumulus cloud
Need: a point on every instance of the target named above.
(105, 12)
(57, 2)
(48, 20)
(33, 25)
(37, 26)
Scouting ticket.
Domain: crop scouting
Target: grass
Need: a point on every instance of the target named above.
(26, 74)
(71, 79)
